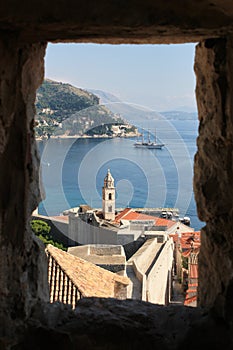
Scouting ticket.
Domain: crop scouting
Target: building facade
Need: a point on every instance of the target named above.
(108, 197)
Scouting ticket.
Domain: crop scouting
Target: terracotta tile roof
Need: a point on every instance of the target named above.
(191, 300)
(165, 222)
(122, 214)
(91, 280)
(129, 214)
(190, 242)
(188, 238)
(193, 272)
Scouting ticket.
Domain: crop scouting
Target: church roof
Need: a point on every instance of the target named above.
(122, 214)
(131, 215)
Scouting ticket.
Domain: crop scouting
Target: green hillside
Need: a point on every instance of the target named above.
(62, 109)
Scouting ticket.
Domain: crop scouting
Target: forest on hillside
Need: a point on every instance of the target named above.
(62, 109)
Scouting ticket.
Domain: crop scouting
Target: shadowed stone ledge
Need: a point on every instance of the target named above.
(99, 323)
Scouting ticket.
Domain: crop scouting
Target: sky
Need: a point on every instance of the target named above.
(157, 77)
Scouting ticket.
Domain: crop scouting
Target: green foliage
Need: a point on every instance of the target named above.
(40, 227)
(65, 109)
(131, 129)
(60, 97)
(42, 231)
(185, 262)
(85, 121)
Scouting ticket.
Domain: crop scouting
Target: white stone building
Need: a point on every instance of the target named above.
(112, 226)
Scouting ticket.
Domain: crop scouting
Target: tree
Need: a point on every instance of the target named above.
(40, 227)
(42, 231)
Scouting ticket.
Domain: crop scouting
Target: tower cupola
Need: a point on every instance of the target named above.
(109, 180)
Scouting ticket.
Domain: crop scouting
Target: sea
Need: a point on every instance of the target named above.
(72, 170)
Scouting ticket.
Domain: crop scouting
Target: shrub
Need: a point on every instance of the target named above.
(42, 231)
(40, 227)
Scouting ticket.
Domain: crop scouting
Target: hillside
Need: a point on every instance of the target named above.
(62, 109)
(138, 114)
(179, 115)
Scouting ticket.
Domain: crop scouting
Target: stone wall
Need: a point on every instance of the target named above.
(99, 324)
(22, 262)
(152, 265)
(115, 22)
(85, 233)
(132, 247)
(59, 230)
(158, 284)
(213, 172)
(106, 250)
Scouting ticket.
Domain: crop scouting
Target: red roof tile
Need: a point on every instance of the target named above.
(188, 239)
(190, 242)
(190, 300)
(165, 222)
(90, 279)
(193, 271)
(122, 214)
(130, 215)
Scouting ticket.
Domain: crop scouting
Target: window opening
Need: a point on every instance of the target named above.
(106, 117)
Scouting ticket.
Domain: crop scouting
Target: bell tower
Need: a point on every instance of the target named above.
(108, 197)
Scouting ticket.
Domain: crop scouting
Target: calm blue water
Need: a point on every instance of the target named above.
(72, 171)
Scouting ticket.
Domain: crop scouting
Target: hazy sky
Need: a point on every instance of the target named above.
(159, 77)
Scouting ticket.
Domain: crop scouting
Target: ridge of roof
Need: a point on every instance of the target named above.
(121, 215)
(91, 280)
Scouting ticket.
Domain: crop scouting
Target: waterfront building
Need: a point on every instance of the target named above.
(117, 226)
(137, 243)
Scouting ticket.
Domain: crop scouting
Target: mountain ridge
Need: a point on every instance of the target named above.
(65, 110)
(136, 113)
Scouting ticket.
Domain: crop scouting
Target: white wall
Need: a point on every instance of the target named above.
(158, 279)
(84, 233)
(155, 276)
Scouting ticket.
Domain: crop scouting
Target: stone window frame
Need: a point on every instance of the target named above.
(22, 73)
(209, 52)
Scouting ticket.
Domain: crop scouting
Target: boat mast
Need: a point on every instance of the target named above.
(148, 135)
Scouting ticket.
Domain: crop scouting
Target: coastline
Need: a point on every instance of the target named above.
(104, 136)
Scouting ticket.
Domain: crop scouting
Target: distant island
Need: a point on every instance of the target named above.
(63, 110)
